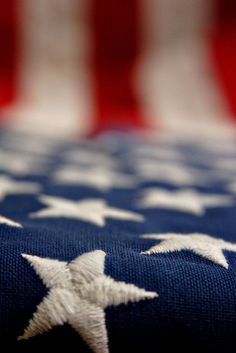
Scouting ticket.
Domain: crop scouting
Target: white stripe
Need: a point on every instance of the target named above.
(54, 87)
(176, 81)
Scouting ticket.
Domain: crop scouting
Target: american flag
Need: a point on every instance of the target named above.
(117, 176)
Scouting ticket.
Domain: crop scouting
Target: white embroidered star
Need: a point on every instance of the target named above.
(88, 210)
(88, 157)
(10, 186)
(37, 145)
(185, 200)
(9, 222)
(225, 164)
(79, 292)
(232, 187)
(96, 177)
(157, 152)
(20, 164)
(174, 173)
(226, 148)
(201, 244)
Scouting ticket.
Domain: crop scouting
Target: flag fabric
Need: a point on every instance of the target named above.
(117, 176)
(120, 243)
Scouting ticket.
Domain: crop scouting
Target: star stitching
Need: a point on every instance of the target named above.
(201, 244)
(184, 200)
(79, 292)
(89, 210)
(10, 186)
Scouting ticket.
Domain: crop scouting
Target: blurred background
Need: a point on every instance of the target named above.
(80, 66)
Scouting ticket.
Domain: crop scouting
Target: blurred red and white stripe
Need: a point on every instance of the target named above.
(80, 66)
(8, 51)
(223, 50)
(52, 81)
(177, 80)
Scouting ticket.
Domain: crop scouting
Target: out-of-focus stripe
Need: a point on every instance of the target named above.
(116, 45)
(8, 51)
(223, 46)
(53, 85)
(176, 77)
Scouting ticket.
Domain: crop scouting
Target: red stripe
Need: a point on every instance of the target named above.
(115, 31)
(223, 46)
(8, 49)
